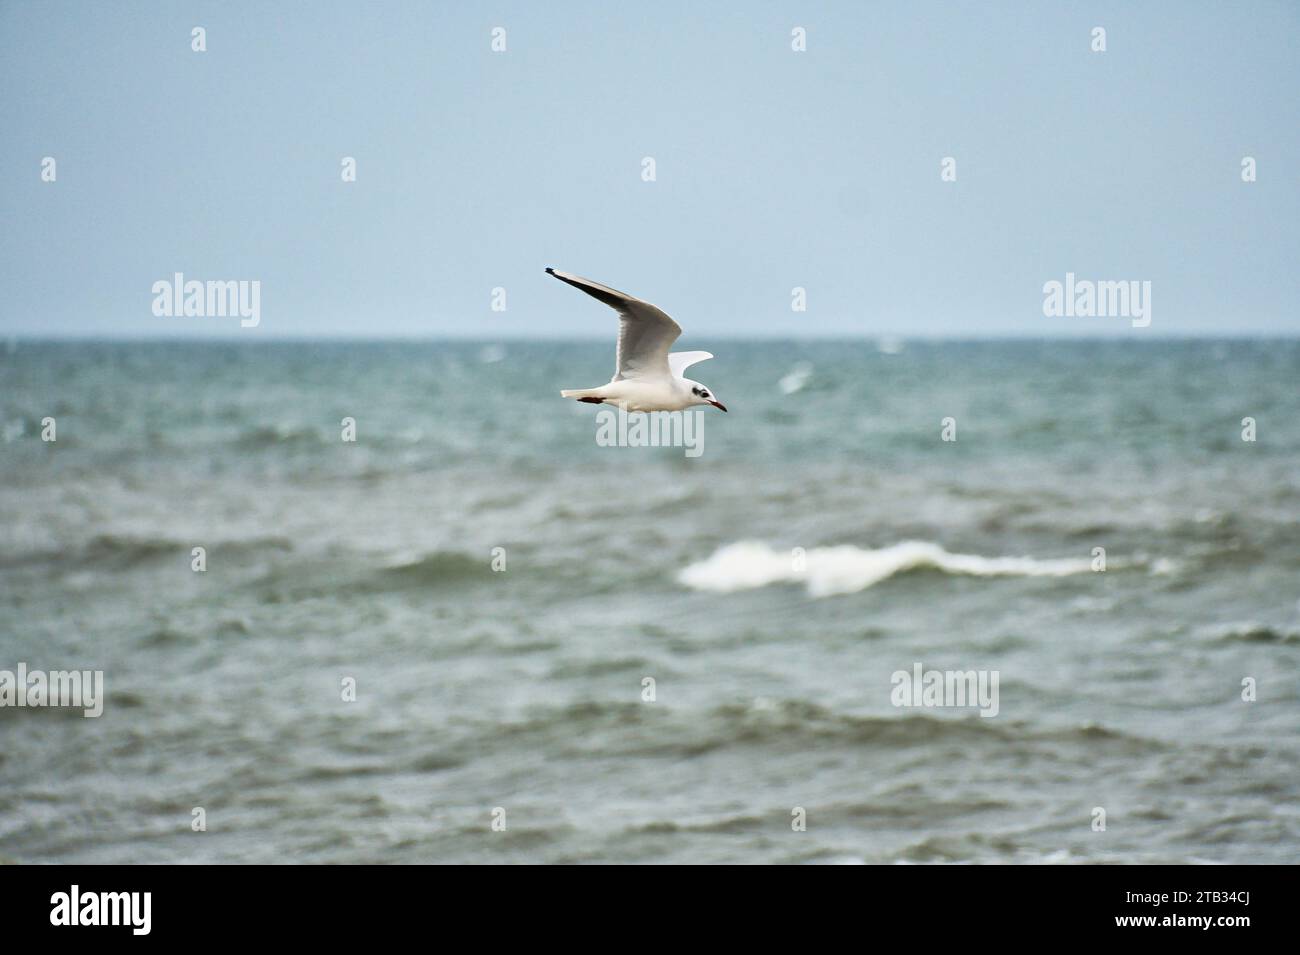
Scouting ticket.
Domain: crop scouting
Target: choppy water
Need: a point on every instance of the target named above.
(522, 689)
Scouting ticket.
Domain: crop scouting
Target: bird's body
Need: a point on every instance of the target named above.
(647, 377)
(634, 394)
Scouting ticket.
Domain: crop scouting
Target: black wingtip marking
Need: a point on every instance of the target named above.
(550, 271)
(614, 300)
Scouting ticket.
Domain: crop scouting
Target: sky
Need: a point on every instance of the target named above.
(774, 169)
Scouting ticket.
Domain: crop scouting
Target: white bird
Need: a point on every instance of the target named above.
(646, 376)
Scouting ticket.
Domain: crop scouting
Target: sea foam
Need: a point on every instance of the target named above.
(847, 569)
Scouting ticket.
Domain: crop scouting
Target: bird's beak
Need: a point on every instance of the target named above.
(719, 405)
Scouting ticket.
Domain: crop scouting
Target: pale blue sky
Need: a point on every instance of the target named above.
(775, 169)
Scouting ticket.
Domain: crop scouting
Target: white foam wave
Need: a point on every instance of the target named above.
(846, 569)
(796, 378)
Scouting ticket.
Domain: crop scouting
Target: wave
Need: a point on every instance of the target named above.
(272, 436)
(826, 571)
(1250, 632)
(431, 569)
(333, 574)
(635, 729)
(110, 551)
(127, 549)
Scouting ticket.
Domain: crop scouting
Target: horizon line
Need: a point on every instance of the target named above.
(238, 338)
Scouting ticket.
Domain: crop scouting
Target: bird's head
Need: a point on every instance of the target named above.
(701, 395)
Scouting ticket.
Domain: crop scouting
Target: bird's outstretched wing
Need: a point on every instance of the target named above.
(679, 361)
(644, 335)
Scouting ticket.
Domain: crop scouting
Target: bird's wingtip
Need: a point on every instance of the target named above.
(550, 271)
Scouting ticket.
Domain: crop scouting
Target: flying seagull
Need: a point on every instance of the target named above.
(646, 376)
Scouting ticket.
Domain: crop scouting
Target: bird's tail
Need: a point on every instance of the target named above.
(580, 393)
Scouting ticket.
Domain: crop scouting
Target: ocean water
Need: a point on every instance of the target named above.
(825, 539)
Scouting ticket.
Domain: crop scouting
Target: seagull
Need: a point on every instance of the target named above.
(646, 376)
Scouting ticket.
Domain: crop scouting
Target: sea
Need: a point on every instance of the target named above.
(394, 602)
